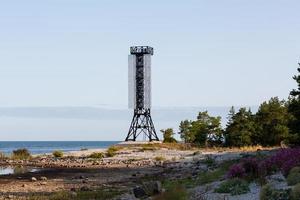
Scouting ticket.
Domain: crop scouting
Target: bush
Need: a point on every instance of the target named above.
(209, 161)
(284, 160)
(21, 154)
(58, 154)
(168, 135)
(294, 176)
(236, 170)
(96, 155)
(234, 187)
(267, 192)
(295, 194)
(112, 151)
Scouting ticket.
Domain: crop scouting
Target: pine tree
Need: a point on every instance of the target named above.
(272, 122)
(240, 128)
(294, 110)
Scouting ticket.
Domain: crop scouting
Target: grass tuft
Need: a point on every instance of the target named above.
(58, 154)
(159, 158)
(234, 186)
(21, 154)
(96, 155)
(112, 151)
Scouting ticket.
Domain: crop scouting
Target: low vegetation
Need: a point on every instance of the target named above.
(98, 155)
(177, 192)
(209, 161)
(270, 193)
(295, 193)
(2, 156)
(294, 176)
(58, 154)
(102, 194)
(112, 151)
(234, 186)
(159, 158)
(21, 154)
(257, 167)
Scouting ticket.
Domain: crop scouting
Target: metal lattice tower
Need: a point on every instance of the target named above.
(139, 82)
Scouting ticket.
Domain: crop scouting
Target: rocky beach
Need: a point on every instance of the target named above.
(124, 172)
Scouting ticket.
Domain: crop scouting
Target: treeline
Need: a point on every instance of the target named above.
(277, 122)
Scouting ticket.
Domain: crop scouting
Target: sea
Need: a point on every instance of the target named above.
(41, 147)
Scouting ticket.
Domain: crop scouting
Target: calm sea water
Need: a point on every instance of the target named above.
(40, 147)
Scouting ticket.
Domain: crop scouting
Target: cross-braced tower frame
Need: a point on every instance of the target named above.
(139, 79)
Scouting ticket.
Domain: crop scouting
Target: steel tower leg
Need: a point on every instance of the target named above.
(142, 123)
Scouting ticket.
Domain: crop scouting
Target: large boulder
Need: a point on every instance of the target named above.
(148, 189)
(152, 187)
(139, 192)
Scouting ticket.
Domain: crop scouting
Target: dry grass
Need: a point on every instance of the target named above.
(160, 158)
(112, 151)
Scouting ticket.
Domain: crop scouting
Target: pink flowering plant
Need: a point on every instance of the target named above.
(283, 160)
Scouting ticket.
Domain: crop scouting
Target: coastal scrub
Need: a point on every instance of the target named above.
(21, 154)
(58, 154)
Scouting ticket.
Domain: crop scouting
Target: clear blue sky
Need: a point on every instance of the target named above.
(207, 53)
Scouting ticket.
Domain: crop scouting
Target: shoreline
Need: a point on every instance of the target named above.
(128, 168)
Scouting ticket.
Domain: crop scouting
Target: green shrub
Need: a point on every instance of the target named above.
(168, 135)
(294, 176)
(147, 148)
(233, 186)
(209, 161)
(21, 154)
(295, 194)
(96, 155)
(267, 192)
(112, 151)
(58, 154)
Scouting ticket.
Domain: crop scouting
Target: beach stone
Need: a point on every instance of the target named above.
(33, 179)
(139, 192)
(153, 187)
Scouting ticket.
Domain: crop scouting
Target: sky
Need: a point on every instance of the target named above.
(206, 53)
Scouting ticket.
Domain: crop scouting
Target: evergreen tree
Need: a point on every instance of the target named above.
(168, 135)
(206, 129)
(185, 131)
(294, 110)
(240, 128)
(271, 122)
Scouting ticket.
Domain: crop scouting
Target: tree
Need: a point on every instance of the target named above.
(168, 135)
(271, 122)
(294, 110)
(240, 128)
(185, 131)
(205, 126)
